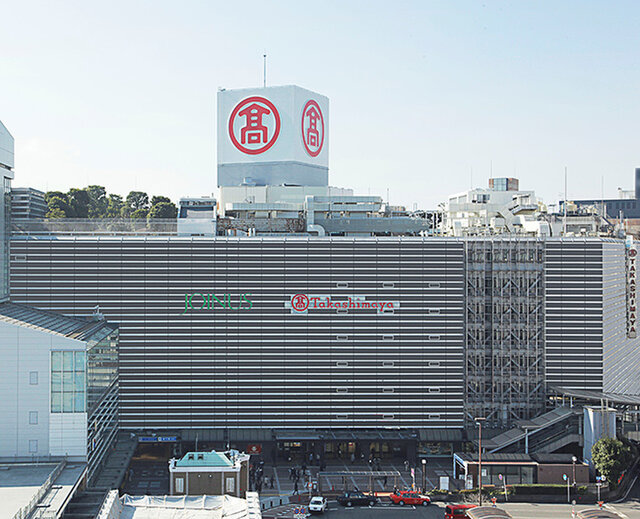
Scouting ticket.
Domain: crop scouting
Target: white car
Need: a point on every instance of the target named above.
(317, 505)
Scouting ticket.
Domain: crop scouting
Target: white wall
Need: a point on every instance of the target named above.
(24, 350)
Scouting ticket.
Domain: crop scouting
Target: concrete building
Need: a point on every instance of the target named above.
(27, 202)
(215, 339)
(626, 205)
(499, 209)
(212, 473)
(58, 386)
(6, 175)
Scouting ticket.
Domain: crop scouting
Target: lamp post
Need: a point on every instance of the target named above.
(424, 474)
(573, 461)
(479, 422)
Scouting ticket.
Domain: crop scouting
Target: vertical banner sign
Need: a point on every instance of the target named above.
(632, 271)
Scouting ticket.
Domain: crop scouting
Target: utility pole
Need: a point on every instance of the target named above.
(479, 421)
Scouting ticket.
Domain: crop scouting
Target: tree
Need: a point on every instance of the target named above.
(55, 213)
(139, 213)
(57, 205)
(163, 210)
(158, 199)
(115, 205)
(137, 200)
(97, 201)
(610, 457)
(79, 202)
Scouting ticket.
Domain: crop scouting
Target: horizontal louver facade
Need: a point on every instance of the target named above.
(186, 361)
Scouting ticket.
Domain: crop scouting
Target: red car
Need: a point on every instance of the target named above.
(407, 497)
(457, 511)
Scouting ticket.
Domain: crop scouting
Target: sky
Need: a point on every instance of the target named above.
(427, 98)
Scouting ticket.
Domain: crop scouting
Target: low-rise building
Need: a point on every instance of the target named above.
(211, 473)
(58, 386)
(517, 468)
(27, 202)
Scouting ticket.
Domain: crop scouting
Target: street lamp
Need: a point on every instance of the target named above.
(424, 474)
(479, 422)
(573, 461)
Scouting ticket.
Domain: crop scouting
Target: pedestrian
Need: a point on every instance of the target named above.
(271, 480)
(310, 458)
(295, 488)
(406, 465)
(318, 459)
(384, 482)
(353, 458)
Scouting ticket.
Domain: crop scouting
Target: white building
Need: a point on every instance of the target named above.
(481, 211)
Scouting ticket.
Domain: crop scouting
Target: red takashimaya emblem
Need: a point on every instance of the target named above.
(254, 125)
(299, 302)
(312, 128)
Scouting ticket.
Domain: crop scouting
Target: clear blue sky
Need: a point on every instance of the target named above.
(122, 93)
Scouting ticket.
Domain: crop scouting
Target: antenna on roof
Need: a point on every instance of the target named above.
(564, 219)
(264, 70)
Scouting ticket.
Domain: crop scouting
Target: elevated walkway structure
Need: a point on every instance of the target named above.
(545, 433)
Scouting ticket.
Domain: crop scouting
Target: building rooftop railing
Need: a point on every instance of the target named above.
(98, 226)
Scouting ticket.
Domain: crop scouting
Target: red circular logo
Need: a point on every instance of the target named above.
(633, 252)
(300, 302)
(254, 125)
(312, 128)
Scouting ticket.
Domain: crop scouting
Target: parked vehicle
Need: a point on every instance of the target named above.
(407, 497)
(318, 505)
(457, 511)
(357, 498)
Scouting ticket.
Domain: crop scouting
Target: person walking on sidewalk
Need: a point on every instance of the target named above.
(295, 489)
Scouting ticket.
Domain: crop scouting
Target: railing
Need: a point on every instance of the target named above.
(25, 511)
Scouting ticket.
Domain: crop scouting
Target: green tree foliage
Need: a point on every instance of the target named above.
(79, 202)
(98, 201)
(610, 457)
(159, 199)
(94, 202)
(163, 210)
(58, 205)
(115, 206)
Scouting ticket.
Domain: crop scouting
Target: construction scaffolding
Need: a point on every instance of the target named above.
(504, 330)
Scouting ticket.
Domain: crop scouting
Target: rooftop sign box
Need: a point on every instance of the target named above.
(273, 136)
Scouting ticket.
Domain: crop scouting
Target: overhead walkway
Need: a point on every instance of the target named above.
(545, 433)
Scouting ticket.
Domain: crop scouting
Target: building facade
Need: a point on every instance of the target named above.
(27, 202)
(325, 334)
(6, 175)
(58, 386)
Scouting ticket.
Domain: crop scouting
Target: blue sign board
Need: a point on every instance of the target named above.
(154, 439)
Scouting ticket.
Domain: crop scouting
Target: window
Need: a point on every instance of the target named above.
(33, 417)
(33, 446)
(68, 381)
(33, 378)
(180, 485)
(230, 486)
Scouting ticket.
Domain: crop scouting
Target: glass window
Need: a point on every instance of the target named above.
(56, 381)
(67, 402)
(67, 360)
(56, 402)
(79, 381)
(80, 360)
(67, 381)
(33, 378)
(33, 417)
(33, 446)
(56, 361)
(78, 406)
